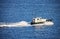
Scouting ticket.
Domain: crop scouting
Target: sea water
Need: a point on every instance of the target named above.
(25, 10)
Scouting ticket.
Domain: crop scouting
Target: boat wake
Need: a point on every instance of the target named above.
(17, 24)
(22, 24)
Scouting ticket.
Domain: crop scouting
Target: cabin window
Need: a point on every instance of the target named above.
(33, 19)
(37, 19)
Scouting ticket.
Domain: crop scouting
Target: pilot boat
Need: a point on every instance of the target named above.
(41, 21)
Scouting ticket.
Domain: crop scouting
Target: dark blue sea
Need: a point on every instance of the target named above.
(25, 10)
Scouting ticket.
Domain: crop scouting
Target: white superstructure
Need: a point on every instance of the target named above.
(40, 20)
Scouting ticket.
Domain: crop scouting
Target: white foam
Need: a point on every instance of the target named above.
(17, 24)
(23, 24)
(48, 23)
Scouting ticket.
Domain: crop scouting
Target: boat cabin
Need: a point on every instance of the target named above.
(38, 19)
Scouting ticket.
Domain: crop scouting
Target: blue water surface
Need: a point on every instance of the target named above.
(19, 10)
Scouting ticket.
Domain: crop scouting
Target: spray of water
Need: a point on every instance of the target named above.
(17, 24)
(22, 24)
